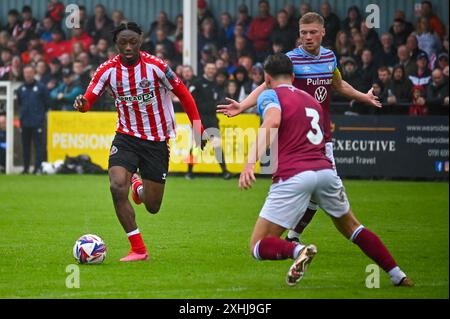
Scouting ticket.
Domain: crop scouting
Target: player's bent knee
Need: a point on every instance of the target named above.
(153, 208)
(118, 190)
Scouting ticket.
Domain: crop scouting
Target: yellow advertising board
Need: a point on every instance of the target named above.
(73, 133)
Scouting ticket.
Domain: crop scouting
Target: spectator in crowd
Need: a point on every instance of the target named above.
(232, 90)
(15, 73)
(224, 54)
(257, 76)
(332, 25)
(358, 47)
(27, 28)
(304, 8)
(387, 55)
(5, 64)
(55, 74)
(353, 20)
(65, 93)
(81, 74)
(399, 32)
(370, 37)
(99, 26)
(412, 44)
(207, 35)
(384, 75)
(436, 94)
(380, 91)
(241, 48)
(33, 101)
(2, 143)
(226, 31)
(405, 60)
(435, 23)
(417, 108)
(162, 22)
(351, 74)
(117, 18)
(284, 33)
(221, 83)
(206, 56)
(399, 92)
(260, 30)
(55, 11)
(247, 62)
(45, 29)
(77, 49)
(422, 76)
(242, 79)
(441, 61)
(446, 72)
(79, 35)
(427, 39)
(343, 46)
(204, 13)
(368, 70)
(83, 18)
(4, 38)
(57, 46)
(277, 47)
(13, 24)
(178, 32)
(42, 73)
(169, 46)
(102, 50)
(292, 18)
(243, 18)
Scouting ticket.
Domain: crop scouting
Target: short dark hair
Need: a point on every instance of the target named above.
(133, 26)
(278, 64)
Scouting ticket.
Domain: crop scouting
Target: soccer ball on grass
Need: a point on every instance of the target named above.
(89, 249)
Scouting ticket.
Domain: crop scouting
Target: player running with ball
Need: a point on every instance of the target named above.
(303, 173)
(140, 84)
(316, 72)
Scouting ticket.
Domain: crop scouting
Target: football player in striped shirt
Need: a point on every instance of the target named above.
(316, 72)
(140, 85)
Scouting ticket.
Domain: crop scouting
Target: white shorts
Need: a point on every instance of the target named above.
(287, 200)
(329, 154)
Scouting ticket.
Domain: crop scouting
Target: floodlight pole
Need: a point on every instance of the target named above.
(190, 33)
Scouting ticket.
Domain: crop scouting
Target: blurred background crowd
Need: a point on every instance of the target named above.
(407, 66)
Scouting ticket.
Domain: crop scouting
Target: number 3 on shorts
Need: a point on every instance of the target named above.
(314, 138)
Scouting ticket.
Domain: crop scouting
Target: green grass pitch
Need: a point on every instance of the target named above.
(198, 242)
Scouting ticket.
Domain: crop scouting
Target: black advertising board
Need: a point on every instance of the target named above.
(391, 146)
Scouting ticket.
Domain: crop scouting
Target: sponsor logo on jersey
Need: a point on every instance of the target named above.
(310, 81)
(138, 98)
(113, 150)
(145, 83)
(320, 94)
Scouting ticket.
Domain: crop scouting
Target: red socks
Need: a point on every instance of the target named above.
(374, 248)
(274, 248)
(137, 244)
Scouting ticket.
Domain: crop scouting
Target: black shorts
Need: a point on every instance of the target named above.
(152, 158)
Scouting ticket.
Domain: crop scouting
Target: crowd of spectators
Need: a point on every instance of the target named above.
(407, 66)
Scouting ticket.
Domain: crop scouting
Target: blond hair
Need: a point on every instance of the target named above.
(312, 17)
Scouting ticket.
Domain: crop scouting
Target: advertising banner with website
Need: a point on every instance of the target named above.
(391, 146)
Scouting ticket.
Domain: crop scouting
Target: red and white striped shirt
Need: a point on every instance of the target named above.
(142, 97)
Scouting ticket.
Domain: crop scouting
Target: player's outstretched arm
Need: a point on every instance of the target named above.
(234, 108)
(266, 135)
(343, 88)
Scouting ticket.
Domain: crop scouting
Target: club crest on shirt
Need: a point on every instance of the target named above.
(119, 84)
(113, 150)
(330, 67)
(145, 83)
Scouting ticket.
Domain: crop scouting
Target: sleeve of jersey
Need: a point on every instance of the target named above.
(266, 100)
(336, 72)
(96, 86)
(186, 100)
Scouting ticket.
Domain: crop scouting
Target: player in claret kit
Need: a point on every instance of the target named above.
(303, 173)
(316, 72)
(140, 84)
